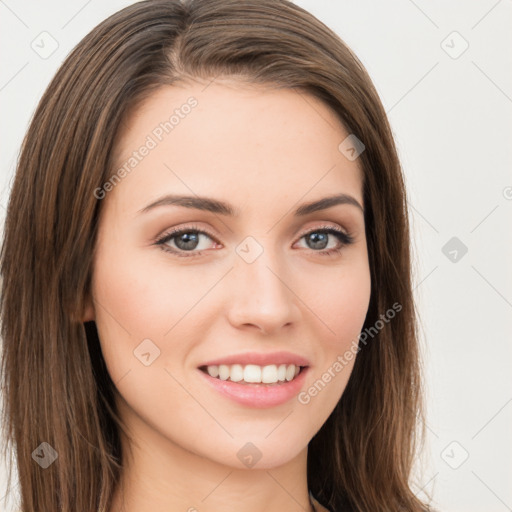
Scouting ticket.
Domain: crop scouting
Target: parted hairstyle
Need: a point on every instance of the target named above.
(55, 385)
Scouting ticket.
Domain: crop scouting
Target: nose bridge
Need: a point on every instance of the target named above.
(262, 296)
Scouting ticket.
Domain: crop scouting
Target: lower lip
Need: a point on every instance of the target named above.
(259, 396)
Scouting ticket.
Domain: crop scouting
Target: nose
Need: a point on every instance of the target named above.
(262, 295)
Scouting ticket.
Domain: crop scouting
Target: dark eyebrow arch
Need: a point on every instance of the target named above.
(222, 208)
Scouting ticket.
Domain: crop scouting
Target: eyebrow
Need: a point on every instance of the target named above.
(223, 208)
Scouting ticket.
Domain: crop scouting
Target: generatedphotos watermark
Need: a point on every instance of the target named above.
(152, 140)
(342, 361)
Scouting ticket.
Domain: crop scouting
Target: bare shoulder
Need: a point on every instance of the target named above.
(318, 506)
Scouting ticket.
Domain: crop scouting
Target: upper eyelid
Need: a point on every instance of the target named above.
(305, 231)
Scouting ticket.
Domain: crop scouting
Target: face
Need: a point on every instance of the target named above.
(252, 278)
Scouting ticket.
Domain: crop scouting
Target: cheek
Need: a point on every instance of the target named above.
(137, 300)
(344, 305)
(143, 296)
(342, 310)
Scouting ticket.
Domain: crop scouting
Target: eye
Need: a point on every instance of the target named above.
(184, 240)
(188, 240)
(318, 238)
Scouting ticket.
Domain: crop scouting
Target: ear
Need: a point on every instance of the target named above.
(89, 314)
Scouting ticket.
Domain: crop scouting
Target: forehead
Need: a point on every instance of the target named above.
(229, 139)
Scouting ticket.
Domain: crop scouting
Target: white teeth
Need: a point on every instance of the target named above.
(290, 372)
(223, 372)
(236, 373)
(252, 373)
(269, 374)
(213, 371)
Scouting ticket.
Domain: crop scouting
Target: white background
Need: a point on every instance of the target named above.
(452, 122)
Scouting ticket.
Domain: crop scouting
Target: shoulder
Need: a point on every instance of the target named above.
(318, 506)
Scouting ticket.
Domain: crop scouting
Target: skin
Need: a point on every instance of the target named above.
(265, 151)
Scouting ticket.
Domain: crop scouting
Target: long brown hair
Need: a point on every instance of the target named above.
(55, 384)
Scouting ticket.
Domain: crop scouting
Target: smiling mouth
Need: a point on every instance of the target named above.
(254, 374)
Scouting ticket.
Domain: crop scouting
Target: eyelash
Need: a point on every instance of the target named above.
(344, 238)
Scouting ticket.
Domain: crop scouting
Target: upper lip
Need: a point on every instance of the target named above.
(260, 359)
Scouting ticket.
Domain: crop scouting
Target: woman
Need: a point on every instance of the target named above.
(206, 296)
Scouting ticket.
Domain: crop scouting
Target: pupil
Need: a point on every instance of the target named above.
(314, 237)
(187, 240)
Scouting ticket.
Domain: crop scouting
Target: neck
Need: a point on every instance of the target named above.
(160, 476)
